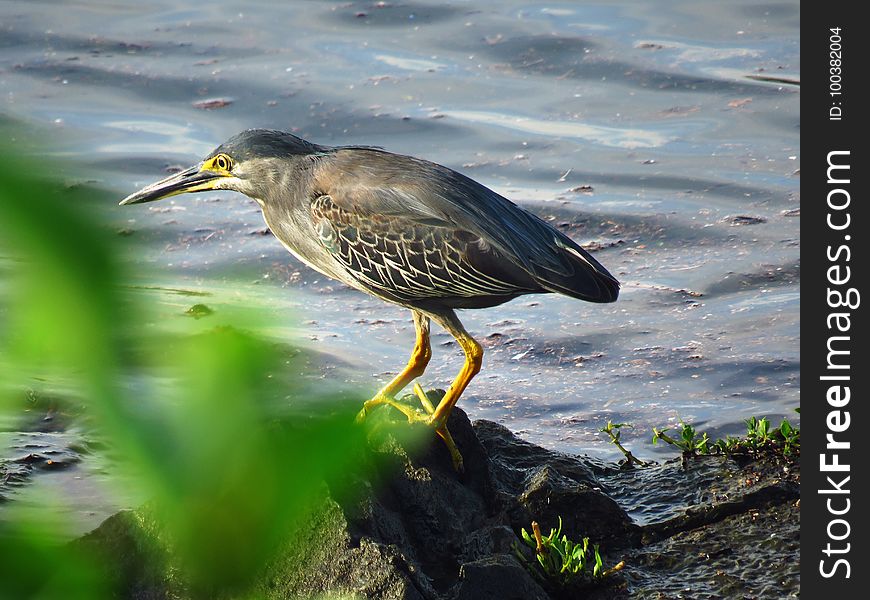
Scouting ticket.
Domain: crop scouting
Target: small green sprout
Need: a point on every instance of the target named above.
(613, 430)
(562, 562)
(791, 438)
(688, 441)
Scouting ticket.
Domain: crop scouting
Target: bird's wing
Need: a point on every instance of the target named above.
(388, 185)
(410, 260)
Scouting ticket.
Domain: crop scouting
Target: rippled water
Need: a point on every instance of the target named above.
(651, 130)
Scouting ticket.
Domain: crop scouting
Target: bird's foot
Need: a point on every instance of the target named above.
(440, 426)
(415, 415)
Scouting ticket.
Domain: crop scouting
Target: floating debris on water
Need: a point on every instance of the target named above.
(198, 311)
(212, 103)
(737, 220)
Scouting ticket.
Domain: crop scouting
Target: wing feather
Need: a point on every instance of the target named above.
(409, 261)
(375, 184)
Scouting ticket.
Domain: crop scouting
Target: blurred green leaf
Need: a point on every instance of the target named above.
(189, 412)
(37, 564)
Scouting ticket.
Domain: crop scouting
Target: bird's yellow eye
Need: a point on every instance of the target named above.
(222, 162)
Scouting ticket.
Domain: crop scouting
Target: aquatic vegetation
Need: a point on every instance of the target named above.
(613, 430)
(562, 562)
(761, 439)
(197, 417)
(688, 440)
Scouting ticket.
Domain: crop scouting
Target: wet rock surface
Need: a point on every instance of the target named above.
(415, 529)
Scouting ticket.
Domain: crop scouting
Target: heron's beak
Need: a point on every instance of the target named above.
(194, 179)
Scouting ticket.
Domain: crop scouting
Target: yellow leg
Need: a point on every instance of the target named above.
(435, 417)
(420, 357)
(473, 361)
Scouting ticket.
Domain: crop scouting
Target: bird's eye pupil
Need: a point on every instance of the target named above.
(222, 163)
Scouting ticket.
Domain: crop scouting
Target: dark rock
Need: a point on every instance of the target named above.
(423, 506)
(414, 529)
(370, 570)
(135, 560)
(584, 511)
(488, 540)
(512, 458)
(533, 483)
(497, 577)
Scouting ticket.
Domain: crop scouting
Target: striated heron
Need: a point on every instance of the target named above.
(405, 230)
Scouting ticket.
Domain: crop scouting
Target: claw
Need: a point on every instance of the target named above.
(415, 415)
(455, 455)
(440, 429)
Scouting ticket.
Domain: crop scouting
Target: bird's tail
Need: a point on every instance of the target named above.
(587, 279)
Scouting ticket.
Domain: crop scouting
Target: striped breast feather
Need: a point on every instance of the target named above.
(409, 260)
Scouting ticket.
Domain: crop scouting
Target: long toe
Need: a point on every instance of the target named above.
(455, 455)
